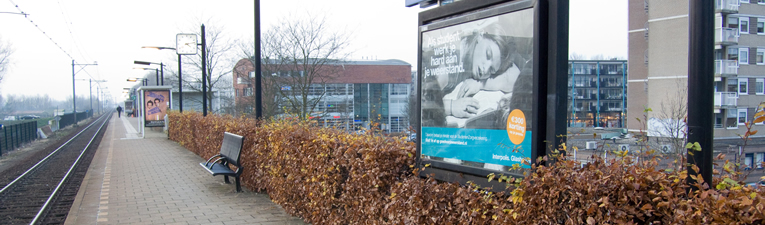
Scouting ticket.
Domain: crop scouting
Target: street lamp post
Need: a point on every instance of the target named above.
(160, 71)
(74, 95)
(143, 80)
(204, 73)
(180, 75)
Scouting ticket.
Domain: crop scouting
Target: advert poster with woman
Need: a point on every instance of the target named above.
(155, 105)
(477, 91)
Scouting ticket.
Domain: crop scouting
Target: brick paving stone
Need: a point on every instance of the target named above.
(155, 181)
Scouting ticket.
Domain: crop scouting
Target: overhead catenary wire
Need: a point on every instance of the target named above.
(41, 30)
(53, 41)
(68, 23)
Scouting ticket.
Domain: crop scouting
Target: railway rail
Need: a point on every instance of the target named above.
(44, 193)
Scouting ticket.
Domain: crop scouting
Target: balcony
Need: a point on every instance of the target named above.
(726, 99)
(610, 84)
(726, 36)
(727, 6)
(725, 68)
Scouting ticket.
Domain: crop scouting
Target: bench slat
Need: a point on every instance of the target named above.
(230, 150)
(218, 169)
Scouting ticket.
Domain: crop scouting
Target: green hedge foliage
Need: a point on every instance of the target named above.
(327, 176)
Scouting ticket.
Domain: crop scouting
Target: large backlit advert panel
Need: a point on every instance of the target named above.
(477, 91)
(156, 105)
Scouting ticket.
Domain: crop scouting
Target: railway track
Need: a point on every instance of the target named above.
(44, 193)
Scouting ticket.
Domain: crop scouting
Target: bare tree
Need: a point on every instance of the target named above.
(9, 106)
(576, 56)
(300, 55)
(6, 50)
(598, 57)
(669, 124)
(247, 99)
(218, 65)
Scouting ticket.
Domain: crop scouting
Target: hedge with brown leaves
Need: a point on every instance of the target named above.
(326, 176)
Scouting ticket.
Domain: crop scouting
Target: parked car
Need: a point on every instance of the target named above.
(29, 117)
(757, 184)
(412, 137)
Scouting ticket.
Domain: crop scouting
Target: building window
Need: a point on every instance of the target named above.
(748, 160)
(760, 157)
(743, 56)
(743, 25)
(760, 25)
(743, 85)
(759, 58)
(733, 54)
(718, 120)
(744, 1)
(758, 86)
(741, 116)
(316, 89)
(399, 89)
(731, 118)
(242, 80)
(733, 22)
(247, 92)
(732, 85)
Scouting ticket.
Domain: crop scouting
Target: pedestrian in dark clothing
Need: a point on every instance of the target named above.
(119, 111)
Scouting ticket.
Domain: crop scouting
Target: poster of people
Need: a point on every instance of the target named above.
(477, 91)
(155, 106)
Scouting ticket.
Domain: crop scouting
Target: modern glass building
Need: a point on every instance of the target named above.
(597, 93)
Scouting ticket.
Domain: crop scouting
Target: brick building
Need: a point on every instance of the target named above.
(356, 93)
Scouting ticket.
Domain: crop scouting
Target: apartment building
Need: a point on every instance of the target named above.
(358, 93)
(658, 67)
(597, 93)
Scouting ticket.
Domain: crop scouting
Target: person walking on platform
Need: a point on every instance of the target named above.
(119, 111)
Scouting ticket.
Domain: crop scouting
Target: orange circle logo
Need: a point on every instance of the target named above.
(516, 126)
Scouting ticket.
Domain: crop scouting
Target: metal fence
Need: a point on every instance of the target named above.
(12, 136)
(68, 118)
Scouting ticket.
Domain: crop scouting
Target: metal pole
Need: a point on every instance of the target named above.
(573, 94)
(156, 76)
(204, 73)
(3, 141)
(90, 89)
(180, 85)
(258, 76)
(74, 97)
(700, 87)
(597, 97)
(162, 73)
(622, 124)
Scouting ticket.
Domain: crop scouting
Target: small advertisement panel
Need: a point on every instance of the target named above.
(477, 91)
(156, 103)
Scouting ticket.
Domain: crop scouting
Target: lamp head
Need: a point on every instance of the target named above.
(141, 63)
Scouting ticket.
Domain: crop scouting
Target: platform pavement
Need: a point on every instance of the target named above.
(153, 180)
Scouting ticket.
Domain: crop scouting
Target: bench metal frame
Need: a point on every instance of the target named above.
(230, 150)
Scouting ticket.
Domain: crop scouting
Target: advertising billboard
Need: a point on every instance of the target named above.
(477, 90)
(156, 103)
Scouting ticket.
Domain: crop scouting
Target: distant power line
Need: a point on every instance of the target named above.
(49, 38)
(40, 29)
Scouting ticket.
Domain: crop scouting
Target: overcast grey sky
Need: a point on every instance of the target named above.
(112, 33)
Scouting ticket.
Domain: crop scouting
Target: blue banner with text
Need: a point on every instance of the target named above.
(476, 145)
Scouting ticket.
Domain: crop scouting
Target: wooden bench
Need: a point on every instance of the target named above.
(230, 151)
